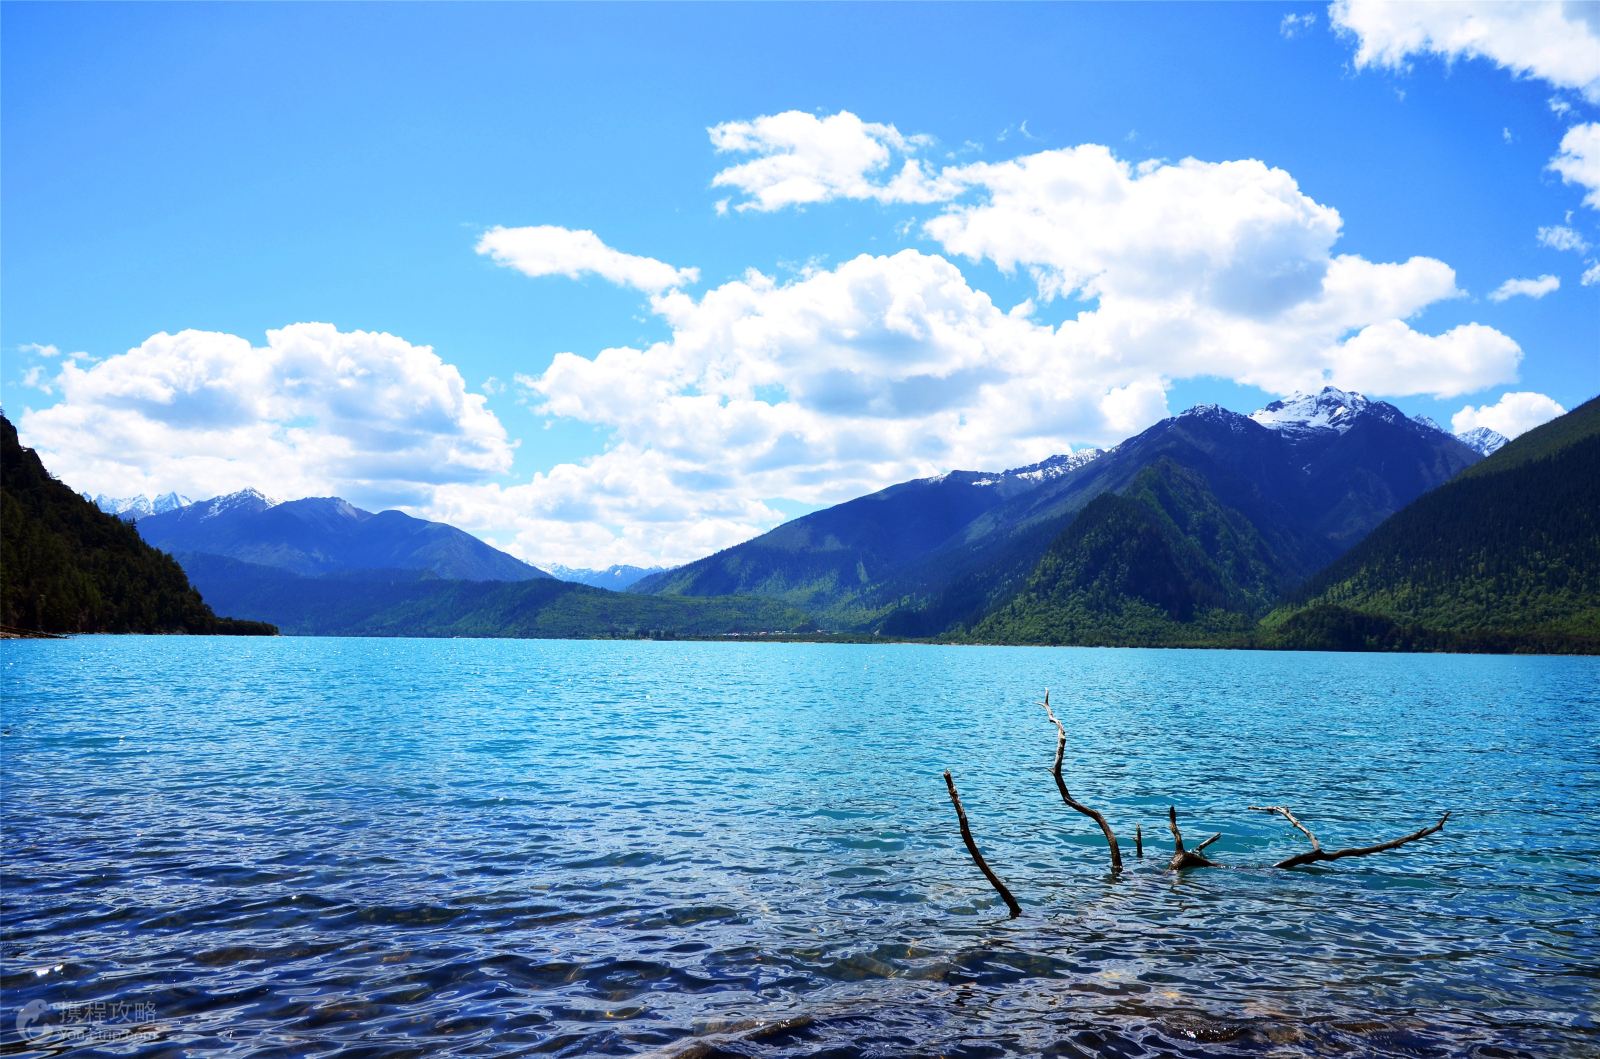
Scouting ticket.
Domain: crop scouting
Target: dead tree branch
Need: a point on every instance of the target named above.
(1066, 796)
(1187, 858)
(977, 858)
(1318, 854)
(1283, 811)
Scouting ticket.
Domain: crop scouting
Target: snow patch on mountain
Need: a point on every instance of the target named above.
(1033, 473)
(1055, 466)
(1483, 441)
(130, 507)
(616, 577)
(1331, 409)
(246, 499)
(1215, 413)
(1429, 423)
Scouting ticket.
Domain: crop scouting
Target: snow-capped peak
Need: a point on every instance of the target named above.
(1214, 414)
(1482, 440)
(1330, 409)
(247, 499)
(138, 506)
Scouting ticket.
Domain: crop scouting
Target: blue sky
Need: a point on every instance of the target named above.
(232, 170)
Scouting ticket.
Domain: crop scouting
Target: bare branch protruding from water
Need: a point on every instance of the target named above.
(977, 857)
(1187, 858)
(1283, 811)
(1066, 796)
(1317, 854)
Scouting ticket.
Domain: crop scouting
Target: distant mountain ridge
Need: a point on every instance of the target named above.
(130, 507)
(1310, 475)
(324, 535)
(415, 603)
(1187, 534)
(617, 577)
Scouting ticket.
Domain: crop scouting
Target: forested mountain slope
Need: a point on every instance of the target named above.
(1505, 556)
(67, 566)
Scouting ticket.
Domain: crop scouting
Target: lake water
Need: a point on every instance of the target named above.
(389, 847)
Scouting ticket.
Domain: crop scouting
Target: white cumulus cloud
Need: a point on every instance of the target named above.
(769, 394)
(1579, 160)
(1513, 414)
(801, 159)
(548, 250)
(1392, 358)
(1190, 263)
(1556, 42)
(806, 392)
(1526, 288)
(1225, 268)
(315, 411)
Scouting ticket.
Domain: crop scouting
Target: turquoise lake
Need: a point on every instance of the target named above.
(325, 847)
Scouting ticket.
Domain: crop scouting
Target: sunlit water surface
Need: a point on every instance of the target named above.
(390, 847)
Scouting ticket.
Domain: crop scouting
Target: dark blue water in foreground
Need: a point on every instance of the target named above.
(388, 847)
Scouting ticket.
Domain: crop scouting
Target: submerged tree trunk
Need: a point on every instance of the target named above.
(1187, 858)
(977, 857)
(1318, 854)
(1182, 858)
(1066, 796)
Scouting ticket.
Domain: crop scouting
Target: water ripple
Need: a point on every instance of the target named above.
(346, 847)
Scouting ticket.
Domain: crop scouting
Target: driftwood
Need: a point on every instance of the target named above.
(1318, 854)
(1187, 858)
(977, 858)
(1283, 811)
(1066, 796)
(1182, 857)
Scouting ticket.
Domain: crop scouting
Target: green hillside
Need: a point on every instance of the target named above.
(940, 557)
(1162, 563)
(1506, 556)
(835, 563)
(66, 566)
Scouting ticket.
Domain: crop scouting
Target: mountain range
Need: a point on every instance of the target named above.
(322, 566)
(1292, 487)
(135, 507)
(327, 535)
(616, 577)
(372, 602)
(1304, 523)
